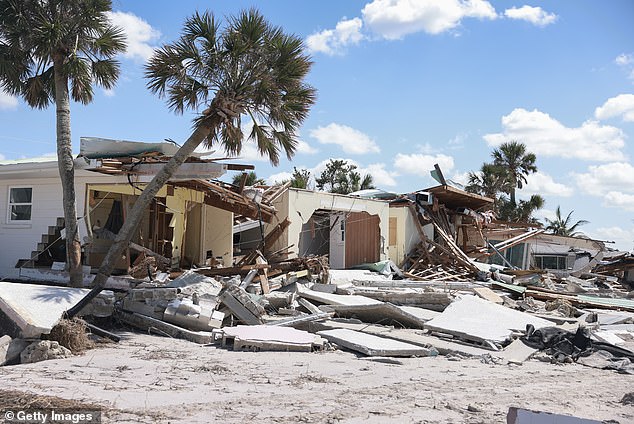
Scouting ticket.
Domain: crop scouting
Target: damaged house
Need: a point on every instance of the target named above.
(348, 229)
(189, 222)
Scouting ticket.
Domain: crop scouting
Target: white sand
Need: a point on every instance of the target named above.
(154, 379)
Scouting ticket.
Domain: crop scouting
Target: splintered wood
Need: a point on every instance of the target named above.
(440, 259)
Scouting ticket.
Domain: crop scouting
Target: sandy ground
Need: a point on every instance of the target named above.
(154, 379)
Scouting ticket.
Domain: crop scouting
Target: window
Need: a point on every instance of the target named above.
(20, 202)
(550, 261)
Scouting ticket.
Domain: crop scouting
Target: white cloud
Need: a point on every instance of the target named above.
(541, 183)
(393, 19)
(140, 34)
(624, 59)
(544, 135)
(599, 179)
(108, 92)
(334, 41)
(623, 238)
(380, 176)
(534, 15)
(305, 148)
(616, 199)
(460, 178)
(7, 102)
(621, 105)
(350, 140)
(279, 178)
(421, 164)
(542, 214)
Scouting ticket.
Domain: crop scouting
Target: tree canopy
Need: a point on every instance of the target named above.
(341, 177)
(563, 226)
(244, 66)
(45, 45)
(500, 178)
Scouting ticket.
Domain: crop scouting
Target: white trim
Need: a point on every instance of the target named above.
(10, 204)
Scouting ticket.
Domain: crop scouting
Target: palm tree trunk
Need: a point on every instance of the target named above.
(513, 196)
(67, 174)
(133, 219)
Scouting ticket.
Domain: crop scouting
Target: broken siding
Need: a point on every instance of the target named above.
(299, 205)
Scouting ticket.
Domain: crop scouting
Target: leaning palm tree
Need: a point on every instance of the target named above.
(45, 45)
(246, 68)
(562, 226)
(513, 158)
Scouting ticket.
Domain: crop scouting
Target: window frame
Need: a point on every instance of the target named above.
(11, 204)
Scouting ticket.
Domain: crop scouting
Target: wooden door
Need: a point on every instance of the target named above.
(363, 238)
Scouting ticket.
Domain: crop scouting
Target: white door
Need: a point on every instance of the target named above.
(337, 255)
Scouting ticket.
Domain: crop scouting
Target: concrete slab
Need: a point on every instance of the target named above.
(415, 337)
(488, 294)
(10, 349)
(383, 313)
(335, 299)
(35, 309)
(370, 345)
(479, 320)
(268, 337)
(347, 276)
(164, 328)
(420, 313)
(517, 352)
(525, 416)
(437, 301)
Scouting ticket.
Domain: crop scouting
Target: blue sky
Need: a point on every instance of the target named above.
(406, 84)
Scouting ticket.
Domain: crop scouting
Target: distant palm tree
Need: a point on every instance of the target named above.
(513, 158)
(45, 45)
(247, 67)
(521, 211)
(252, 179)
(488, 182)
(563, 227)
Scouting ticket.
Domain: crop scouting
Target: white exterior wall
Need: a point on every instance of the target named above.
(18, 240)
(298, 205)
(406, 233)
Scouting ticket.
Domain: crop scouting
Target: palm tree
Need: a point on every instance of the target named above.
(488, 182)
(246, 68)
(513, 158)
(562, 227)
(44, 46)
(522, 211)
(252, 179)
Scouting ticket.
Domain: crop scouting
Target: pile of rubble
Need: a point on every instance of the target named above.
(306, 307)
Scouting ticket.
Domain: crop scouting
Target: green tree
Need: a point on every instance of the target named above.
(300, 178)
(247, 67)
(490, 181)
(341, 177)
(252, 179)
(45, 45)
(516, 163)
(522, 211)
(563, 226)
